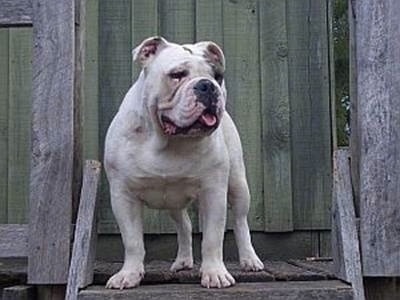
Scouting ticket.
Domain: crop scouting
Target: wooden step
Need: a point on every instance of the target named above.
(273, 290)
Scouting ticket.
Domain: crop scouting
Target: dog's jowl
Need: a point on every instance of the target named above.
(172, 142)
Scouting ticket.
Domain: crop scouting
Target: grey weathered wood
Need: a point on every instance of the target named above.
(115, 73)
(89, 105)
(19, 122)
(345, 242)
(378, 96)
(19, 292)
(276, 117)
(309, 92)
(15, 12)
(241, 47)
(51, 292)
(52, 141)
(300, 290)
(13, 240)
(83, 252)
(4, 103)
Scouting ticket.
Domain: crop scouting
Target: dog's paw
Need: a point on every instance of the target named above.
(125, 280)
(251, 264)
(216, 277)
(182, 263)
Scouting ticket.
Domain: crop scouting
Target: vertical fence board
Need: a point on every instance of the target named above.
(209, 21)
(4, 86)
(177, 20)
(378, 87)
(52, 141)
(276, 117)
(145, 20)
(20, 76)
(90, 120)
(114, 80)
(309, 92)
(241, 44)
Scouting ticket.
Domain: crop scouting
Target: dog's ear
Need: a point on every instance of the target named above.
(148, 49)
(213, 53)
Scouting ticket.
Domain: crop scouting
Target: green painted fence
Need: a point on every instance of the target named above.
(279, 87)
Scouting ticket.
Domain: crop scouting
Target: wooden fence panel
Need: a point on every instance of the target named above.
(276, 117)
(378, 89)
(90, 109)
(241, 45)
(309, 88)
(289, 189)
(4, 85)
(19, 122)
(114, 81)
(51, 173)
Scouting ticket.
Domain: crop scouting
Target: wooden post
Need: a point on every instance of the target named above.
(377, 36)
(52, 141)
(345, 242)
(378, 86)
(83, 252)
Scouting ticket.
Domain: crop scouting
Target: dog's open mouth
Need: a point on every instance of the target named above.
(206, 122)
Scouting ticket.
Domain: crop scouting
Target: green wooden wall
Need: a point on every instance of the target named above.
(279, 86)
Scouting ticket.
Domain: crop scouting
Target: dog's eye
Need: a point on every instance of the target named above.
(178, 75)
(219, 78)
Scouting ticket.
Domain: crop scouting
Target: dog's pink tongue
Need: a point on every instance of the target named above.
(209, 119)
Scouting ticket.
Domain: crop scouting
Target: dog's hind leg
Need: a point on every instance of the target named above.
(184, 258)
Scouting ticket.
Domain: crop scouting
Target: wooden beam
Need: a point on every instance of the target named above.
(83, 252)
(345, 243)
(13, 240)
(378, 88)
(19, 292)
(52, 141)
(16, 12)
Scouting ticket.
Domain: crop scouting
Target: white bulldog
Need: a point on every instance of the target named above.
(170, 143)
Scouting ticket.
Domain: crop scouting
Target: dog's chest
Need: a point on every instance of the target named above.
(167, 193)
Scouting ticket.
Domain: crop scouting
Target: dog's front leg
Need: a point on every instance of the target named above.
(213, 205)
(128, 212)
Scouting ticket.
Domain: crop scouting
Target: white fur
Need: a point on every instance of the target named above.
(147, 167)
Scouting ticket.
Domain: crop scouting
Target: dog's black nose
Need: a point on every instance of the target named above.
(206, 93)
(204, 87)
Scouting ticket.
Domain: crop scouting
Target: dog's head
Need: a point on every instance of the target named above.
(184, 85)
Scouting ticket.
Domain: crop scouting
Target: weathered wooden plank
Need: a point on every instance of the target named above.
(209, 21)
(271, 246)
(14, 12)
(276, 117)
(300, 290)
(19, 292)
(51, 292)
(115, 73)
(309, 93)
(382, 288)
(52, 141)
(177, 20)
(84, 248)
(345, 243)
(378, 89)
(90, 120)
(4, 93)
(241, 45)
(145, 21)
(20, 76)
(13, 240)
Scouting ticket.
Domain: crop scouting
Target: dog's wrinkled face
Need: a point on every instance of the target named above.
(186, 92)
